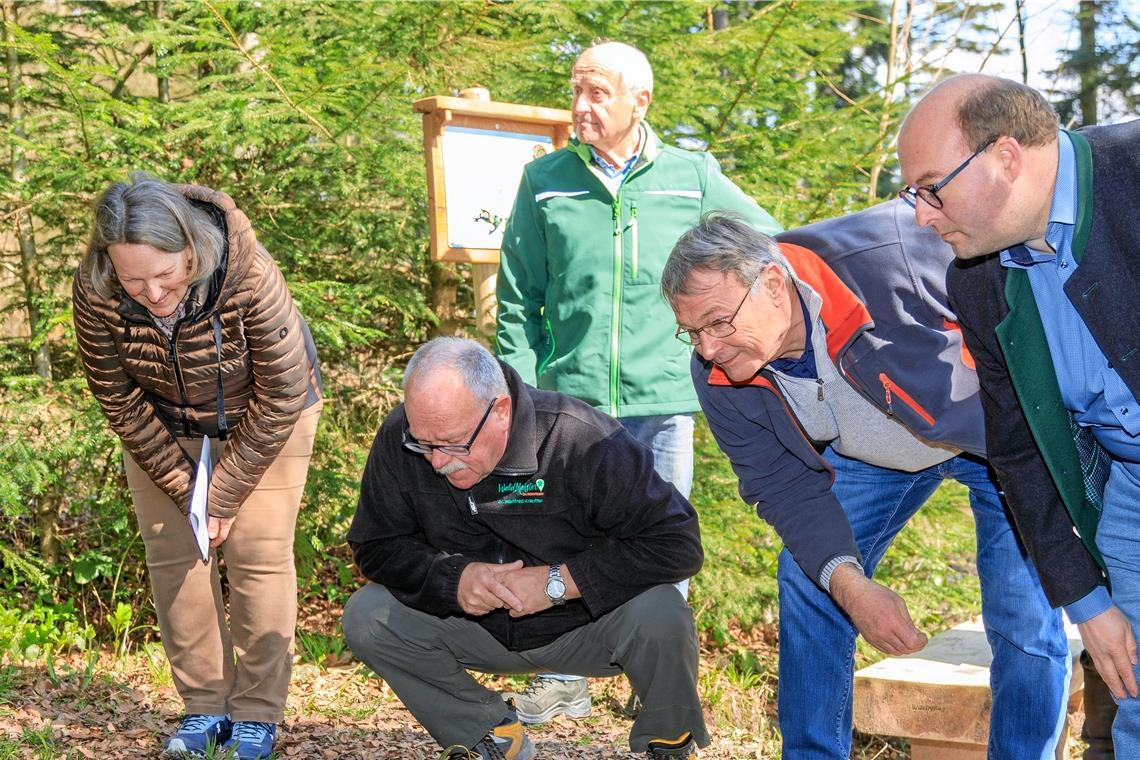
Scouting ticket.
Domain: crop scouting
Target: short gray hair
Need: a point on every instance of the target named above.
(631, 63)
(149, 211)
(480, 371)
(722, 241)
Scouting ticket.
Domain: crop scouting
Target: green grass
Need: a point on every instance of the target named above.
(737, 585)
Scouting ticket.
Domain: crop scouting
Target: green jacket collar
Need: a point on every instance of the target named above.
(650, 147)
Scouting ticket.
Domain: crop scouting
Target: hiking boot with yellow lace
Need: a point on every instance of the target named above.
(671, 749)
(506, 741)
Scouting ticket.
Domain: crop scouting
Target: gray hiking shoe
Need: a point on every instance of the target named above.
(547, 697)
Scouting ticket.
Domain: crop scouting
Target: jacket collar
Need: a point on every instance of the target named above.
(651, 147)
(843, 315)
(521, 455)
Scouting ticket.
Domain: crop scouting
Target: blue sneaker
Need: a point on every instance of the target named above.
(196, 733)
(252, 740)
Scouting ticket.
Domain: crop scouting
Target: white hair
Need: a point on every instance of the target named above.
(631, 64)
(477, 368)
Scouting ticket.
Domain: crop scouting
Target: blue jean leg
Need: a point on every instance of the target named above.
(817, 640)
(1029, 676)
(670, 437)
(1118, 538)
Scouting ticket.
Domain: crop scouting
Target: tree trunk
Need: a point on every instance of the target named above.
(163, 82)
(1085, 62)
(1020, 10)
(898, 48)
(444, 279)
(29, 259)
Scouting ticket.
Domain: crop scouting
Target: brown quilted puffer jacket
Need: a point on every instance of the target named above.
(154, 389)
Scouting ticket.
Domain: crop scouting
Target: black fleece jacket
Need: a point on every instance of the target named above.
(573, 486)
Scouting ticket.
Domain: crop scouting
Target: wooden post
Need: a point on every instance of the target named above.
(483, 276)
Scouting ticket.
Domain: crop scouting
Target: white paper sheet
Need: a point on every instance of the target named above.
(199, 520)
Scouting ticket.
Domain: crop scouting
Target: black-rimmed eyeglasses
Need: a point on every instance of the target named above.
(929, 193)
(451, 449)
(718, 328)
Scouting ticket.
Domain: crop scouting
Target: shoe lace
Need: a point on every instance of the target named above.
(197, 723)
(487, 749)
(538, 685)
(251, 731)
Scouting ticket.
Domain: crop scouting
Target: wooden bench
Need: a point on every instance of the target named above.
(939, 698)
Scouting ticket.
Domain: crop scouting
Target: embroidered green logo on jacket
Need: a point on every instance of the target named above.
(523, 492)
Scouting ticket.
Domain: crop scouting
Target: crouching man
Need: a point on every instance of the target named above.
(505, 529)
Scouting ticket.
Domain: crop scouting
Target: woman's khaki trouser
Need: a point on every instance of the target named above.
(242, 669)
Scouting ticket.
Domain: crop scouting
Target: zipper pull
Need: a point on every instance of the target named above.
(471, 505)
(819, 389)
(887, 389)
(617, 216)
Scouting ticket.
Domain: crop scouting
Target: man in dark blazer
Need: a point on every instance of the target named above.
(1044, 224)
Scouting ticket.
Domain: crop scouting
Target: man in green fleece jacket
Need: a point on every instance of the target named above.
(580, 307)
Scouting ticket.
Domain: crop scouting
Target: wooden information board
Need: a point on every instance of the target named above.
(475, 150)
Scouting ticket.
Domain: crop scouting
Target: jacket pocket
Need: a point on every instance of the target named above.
(892, 392)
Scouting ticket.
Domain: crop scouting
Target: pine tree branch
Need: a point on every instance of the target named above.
(257, 65)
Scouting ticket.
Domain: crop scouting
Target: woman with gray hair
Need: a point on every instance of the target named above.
(188, 333)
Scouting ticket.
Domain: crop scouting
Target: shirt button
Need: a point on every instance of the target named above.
(1064, 265)
(1124, 411)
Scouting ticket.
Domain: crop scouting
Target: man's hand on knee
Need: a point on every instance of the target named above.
(877, 612)
(482, 590)
(1108, 638)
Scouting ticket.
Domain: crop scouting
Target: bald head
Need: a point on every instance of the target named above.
(982, 108)
(629, 65)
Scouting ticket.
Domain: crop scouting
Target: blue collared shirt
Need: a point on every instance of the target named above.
(1090, 387)
(609, 169)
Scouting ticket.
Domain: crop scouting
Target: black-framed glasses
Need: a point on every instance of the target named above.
(451, 449)
(718, 328)
(929, 193)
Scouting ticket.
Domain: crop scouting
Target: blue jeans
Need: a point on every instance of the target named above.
(670, 436)
(1118, 538)
(1030, 672)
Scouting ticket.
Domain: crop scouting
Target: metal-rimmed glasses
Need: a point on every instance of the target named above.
(929, 193)
(451, 449)
(718, 328)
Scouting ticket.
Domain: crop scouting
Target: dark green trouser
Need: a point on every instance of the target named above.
(425, 660)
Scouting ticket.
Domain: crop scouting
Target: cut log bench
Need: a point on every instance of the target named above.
(939, 698)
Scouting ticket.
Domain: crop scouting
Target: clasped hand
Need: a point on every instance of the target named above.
(485, 586)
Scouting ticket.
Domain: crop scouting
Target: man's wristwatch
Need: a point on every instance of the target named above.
(555, 586)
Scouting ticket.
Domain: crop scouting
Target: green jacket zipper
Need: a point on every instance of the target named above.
(632, 227)
(549, 328)
(615, 309)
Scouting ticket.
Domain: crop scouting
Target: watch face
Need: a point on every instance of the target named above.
(555, 589)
